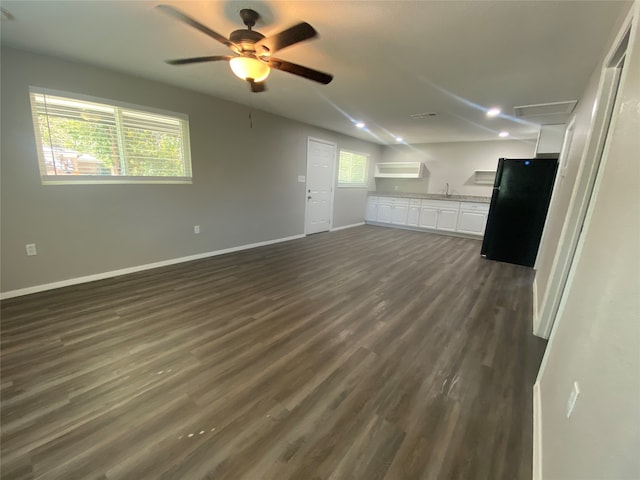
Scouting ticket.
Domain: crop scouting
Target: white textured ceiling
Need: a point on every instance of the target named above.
(390, 59)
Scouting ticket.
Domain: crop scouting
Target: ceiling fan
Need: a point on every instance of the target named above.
(252, 60)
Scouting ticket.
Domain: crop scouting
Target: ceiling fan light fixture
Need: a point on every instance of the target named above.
(247, 67)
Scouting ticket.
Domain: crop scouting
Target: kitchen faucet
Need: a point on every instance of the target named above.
(446, 190)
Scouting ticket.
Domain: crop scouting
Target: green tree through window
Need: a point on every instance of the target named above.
(89, 141)
(352, 169)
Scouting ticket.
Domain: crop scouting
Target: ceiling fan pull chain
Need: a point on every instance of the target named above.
(250, 121)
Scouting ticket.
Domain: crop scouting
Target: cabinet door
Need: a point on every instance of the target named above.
(472, 222)
(428, 217)
(372, 212)
(384, 213)
(399, 214)
(447, 219)
(414, 216)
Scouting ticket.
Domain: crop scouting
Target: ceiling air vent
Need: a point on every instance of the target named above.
(418, 116)
(557, 108)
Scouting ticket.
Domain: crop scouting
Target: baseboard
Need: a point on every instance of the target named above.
(347, 226)
(139, 268)
(537, 433)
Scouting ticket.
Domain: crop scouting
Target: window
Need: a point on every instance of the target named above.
(89, 140)
(352, 169)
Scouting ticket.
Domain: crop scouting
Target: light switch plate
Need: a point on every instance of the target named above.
(301, 178)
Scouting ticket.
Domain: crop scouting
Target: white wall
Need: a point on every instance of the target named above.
(596, 337)
(245, 182)
(453, 163)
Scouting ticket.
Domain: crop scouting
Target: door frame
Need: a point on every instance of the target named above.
(333, 182)
(607, 103)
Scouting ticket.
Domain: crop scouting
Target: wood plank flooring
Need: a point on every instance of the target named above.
(368, 353)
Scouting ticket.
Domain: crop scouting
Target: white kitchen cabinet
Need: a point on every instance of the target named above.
(413, 219)
(393, 210)
(473, 218)
(447, 219)
(372, 209)
(399, 214)
(444, 215)
(384, 212)
(428, 216)
(439, 215)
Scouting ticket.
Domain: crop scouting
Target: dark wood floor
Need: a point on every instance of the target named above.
(368, 353)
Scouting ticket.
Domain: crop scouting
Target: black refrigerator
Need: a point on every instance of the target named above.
(519, 204)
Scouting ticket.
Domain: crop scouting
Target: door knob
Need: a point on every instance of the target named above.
(309, 198)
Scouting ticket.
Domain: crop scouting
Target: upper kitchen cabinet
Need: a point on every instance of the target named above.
(399, 170)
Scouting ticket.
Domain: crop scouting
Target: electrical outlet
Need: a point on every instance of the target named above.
(31, 249)
(573, 397)
(196, 229)
(395, 187)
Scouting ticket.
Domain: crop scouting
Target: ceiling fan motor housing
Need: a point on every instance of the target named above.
(245, 38)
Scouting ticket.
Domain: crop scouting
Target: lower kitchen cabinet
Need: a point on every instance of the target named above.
(439, 215)
(413, 219)
(384, 212)
(372, 209)
(445, 215)
(473, 218)
(428, 216)
(393, 210)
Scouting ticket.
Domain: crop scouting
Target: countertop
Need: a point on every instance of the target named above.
(434, 196)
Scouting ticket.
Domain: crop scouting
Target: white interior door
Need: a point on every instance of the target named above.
(582, 192)
(321, 158)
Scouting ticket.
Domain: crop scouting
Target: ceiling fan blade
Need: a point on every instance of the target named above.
(301, 71)
(174, 12)
(185, 61)
(257, 87)
(297, 33)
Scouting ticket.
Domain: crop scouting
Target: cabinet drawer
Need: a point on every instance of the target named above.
(415, 202)
(474, 207)
(372, 199)
(441, 204)
(394, 201)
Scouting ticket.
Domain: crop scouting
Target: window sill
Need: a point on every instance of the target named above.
(104, 180)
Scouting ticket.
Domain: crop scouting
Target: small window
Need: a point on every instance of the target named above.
(90, 140)
(352, 169)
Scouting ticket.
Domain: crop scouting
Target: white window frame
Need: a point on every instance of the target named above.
(365, 184)
(111, 179)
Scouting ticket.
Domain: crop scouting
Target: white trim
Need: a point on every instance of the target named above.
(537, 433)
(106, 101)
(112, 180)
(347, 226)
(534, 289)
(138, 268)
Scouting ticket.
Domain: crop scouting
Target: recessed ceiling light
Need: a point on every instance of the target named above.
(398, 139)
(360, 125)
(493, 112)
(503, 134)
